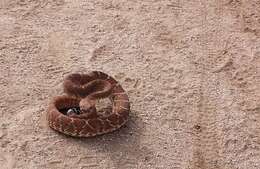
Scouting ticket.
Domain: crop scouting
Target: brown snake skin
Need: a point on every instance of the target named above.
(83, 90)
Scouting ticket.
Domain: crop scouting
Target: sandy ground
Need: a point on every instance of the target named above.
(191, 69)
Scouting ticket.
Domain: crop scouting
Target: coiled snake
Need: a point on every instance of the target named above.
(83, 90)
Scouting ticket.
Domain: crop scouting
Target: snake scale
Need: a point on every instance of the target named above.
(83, 91)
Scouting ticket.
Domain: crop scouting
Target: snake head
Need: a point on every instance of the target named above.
(87, 106)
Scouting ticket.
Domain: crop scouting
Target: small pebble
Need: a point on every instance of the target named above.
(1, 134)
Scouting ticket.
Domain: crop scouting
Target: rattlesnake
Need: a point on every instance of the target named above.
(82, 91)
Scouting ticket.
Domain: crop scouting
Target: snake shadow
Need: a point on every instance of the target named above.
(121, 146)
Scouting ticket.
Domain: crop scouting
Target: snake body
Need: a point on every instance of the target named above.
(83, 90)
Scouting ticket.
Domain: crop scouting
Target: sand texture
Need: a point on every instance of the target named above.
(191, 69)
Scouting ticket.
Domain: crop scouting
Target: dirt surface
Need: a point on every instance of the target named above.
(191, 69)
